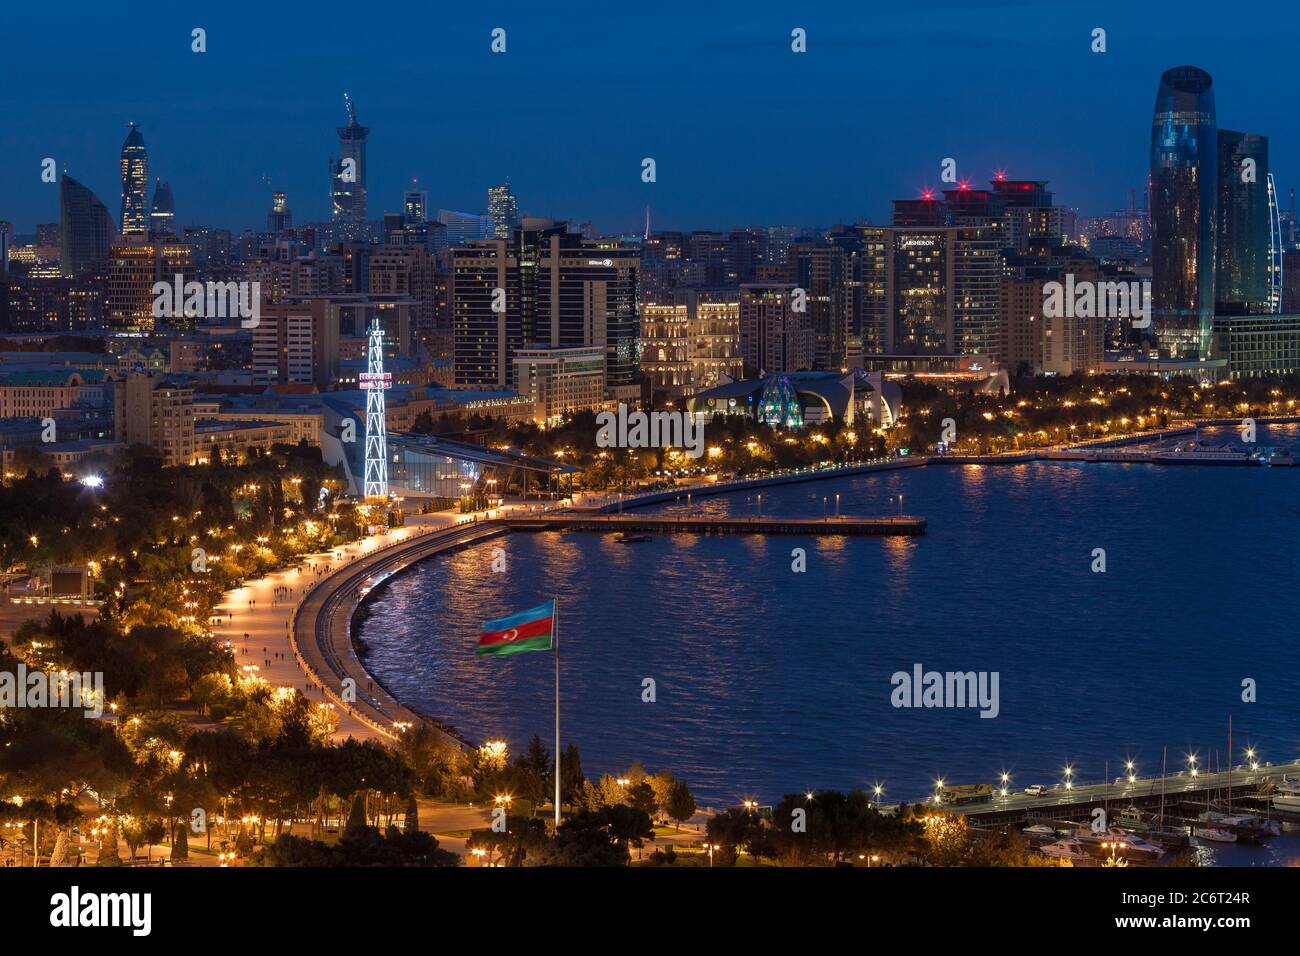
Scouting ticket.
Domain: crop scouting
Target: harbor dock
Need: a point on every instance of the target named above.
(702, 524)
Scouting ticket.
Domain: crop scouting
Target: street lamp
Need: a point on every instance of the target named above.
(877, 791)
(1250, 757)
(1006, 778)
(1191, 762)
(1069, 772)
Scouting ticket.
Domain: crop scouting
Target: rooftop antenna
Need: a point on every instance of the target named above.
(351, 108)
(647, 223)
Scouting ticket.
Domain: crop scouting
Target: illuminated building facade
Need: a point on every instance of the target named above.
(348, 172)
(774, 335)
(558, 291)
(1184, 173)
(135, 185)
(503, 210)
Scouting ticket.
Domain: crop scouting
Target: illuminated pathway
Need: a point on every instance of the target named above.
(255, 619)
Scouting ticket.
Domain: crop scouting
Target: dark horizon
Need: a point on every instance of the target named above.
(832, 135)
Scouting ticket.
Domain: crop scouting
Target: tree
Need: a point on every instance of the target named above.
(181, 843)
(412, 814)
(571, 775)
(356, 815)
(109, 855)
(681, 804)
(740, 829)
(524, 839)
(531, 773)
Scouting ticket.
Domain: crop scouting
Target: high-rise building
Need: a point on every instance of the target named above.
(774, 337)
(1184, 173)
(415, 205)
(503, 210)
(557, 290)
(822, 272)
(1241, 283)
(162, 214)
(280, 217)
(465, 227)
(348, 172)
(132, 272)
(1028, 213)
(85, 229)
(297, 344)
(407, 270)
(135, 185)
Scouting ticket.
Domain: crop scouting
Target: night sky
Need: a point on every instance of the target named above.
(743, 130)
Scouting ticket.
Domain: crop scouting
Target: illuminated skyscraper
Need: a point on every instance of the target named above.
(415, 205)
(1184, 167)
(503, 209)
(135, 185)
(162, 215)
(280, 216)
(348, 173)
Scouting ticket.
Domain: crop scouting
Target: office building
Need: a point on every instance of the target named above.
(135, 184)
(1244, 242)
(1184, 190)
(503, 210)
(774, 337)
(162, 214)
(85, 229)
(558, 290)
(348, 172)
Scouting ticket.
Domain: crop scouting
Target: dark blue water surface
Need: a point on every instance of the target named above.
(770, 682)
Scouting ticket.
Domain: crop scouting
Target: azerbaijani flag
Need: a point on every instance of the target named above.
(529, 630)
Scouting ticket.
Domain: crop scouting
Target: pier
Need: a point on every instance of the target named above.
(703, 524)
(1183, 797)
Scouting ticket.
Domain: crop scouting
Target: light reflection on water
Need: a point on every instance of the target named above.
(770, 682)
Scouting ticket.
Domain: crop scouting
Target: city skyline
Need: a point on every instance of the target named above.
(581, 160)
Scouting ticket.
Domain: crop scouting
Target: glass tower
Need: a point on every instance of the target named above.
(135, 185)
(162, 217)
(85, 228)
(1184, 166)
(1241, 277)
(348, 174)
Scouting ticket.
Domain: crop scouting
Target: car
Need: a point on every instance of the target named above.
(1034, 790)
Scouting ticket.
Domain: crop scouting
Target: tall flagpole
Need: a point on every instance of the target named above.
(555, 642)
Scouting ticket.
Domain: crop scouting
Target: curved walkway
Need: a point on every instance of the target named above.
(320, 632)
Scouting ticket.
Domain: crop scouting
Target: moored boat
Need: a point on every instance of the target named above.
(1214, 834)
